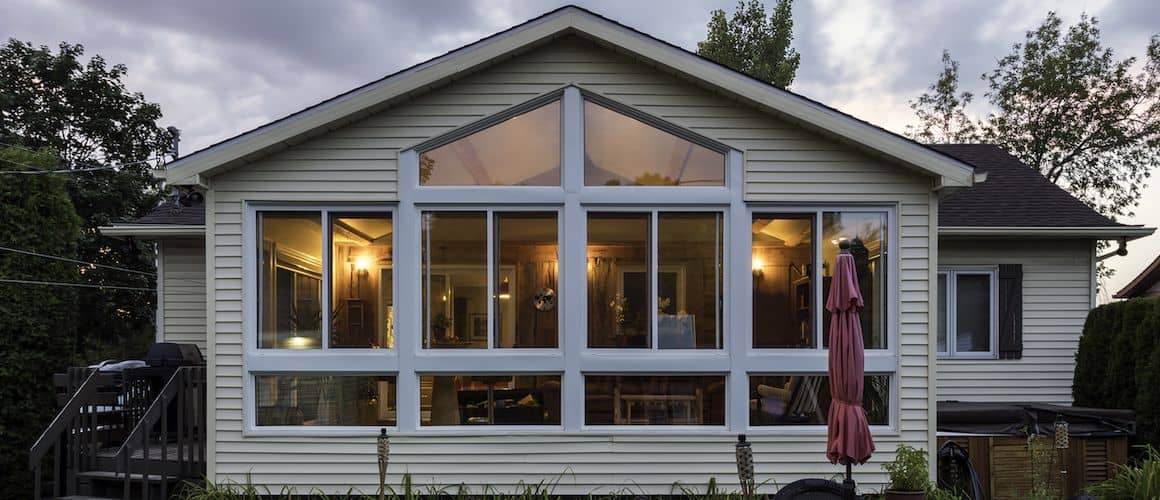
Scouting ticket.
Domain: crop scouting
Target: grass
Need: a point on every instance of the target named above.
(407, 490)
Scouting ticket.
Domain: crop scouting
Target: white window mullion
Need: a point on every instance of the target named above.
(327, 281)
(409, 307)
(738, 277)
(652, 268)
(818, 278)
(493, 269)
(572, 278)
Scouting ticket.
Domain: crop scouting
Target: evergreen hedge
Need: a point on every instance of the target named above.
(37, 322)
(1118, 363)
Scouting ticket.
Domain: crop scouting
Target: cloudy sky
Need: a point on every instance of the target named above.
(219, 67)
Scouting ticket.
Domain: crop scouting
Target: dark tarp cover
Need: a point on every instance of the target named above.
(1018, 419)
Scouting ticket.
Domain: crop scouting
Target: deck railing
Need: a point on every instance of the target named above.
(87, 422)
(139, 425)
(168, 450)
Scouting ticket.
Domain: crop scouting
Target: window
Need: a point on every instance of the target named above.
(866, 232)
(620, 150)
(654, 399)
(787, 294)
(523, 150)
(783, 285)
(292, 312)
(679, 298)
(325, 400)
(804, 399)
(362, 281)
(568, 306)
(967, 302)
(469, 302)
(291, 281)
(489, 399)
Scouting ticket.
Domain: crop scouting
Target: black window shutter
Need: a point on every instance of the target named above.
(1010, 311)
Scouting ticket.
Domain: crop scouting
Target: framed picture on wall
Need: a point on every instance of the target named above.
(478, 325)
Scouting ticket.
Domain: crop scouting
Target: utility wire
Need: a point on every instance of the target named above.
(87, 166)
(80, 285)
(66, 259)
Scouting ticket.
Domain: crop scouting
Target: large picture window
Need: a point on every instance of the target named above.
(654, 400)
(500, 155)
(670, 301)
(789, 285)
(512, 288)
(292, 312)
(620, 150)
(507, 300)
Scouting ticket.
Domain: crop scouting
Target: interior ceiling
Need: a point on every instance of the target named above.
(789, 232)
(621, 148)
(303, 234)
(522, 150)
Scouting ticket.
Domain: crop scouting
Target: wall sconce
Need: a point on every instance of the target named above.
(363, 263)
(505, 289)
(758, 267)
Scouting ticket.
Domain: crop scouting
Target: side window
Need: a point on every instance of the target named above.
(967, 302)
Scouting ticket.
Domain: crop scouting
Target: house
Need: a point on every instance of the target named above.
(572, 252)
(1146, 284)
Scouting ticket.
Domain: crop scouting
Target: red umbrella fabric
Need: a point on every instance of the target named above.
(849, 433)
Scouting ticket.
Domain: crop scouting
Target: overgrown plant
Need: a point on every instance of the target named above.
(1132, 481)
(908, 471)
(1044, 467)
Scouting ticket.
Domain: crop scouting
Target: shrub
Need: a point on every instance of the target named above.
(1118, 362)
(908, 471)
(1140, 481)
(37, 322)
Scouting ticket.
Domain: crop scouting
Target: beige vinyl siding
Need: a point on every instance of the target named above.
(1056, 300)
(183, 288)
(357, 163)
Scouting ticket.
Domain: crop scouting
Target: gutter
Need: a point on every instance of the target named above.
(1127, 233)
(153, 230)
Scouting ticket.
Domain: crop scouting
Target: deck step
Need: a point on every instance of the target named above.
(102, 475)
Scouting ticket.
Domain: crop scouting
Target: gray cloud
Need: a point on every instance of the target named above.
(219, 67)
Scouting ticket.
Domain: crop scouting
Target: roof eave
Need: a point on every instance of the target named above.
(153, 230)
(949, 171)
(1128, 233)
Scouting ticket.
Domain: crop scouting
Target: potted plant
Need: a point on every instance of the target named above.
(909, 475)
(441, 326)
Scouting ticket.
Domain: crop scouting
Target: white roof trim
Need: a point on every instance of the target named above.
(344, 108)
(1104, 232)
(152, 230)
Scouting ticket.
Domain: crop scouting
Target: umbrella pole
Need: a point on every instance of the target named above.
(848, 487)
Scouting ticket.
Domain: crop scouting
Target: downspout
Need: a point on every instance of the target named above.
(1121, 251)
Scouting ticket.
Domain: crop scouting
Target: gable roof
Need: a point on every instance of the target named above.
(1146, 280)
(1017, 196)
(377, 95)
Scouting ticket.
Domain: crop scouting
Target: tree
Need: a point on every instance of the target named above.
(38, 328)
(942, 112)
(1065, 105)
(83, 112)
(753, 44)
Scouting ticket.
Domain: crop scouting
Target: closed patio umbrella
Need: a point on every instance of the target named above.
(849, 433)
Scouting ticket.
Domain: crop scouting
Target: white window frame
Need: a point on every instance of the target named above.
(340, 361)
(951, 273)
(572, 359)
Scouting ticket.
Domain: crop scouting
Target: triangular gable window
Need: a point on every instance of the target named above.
(620, 150)
(523, 150)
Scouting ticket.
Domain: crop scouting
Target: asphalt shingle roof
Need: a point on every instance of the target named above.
(1014, 195)
(169, 213)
